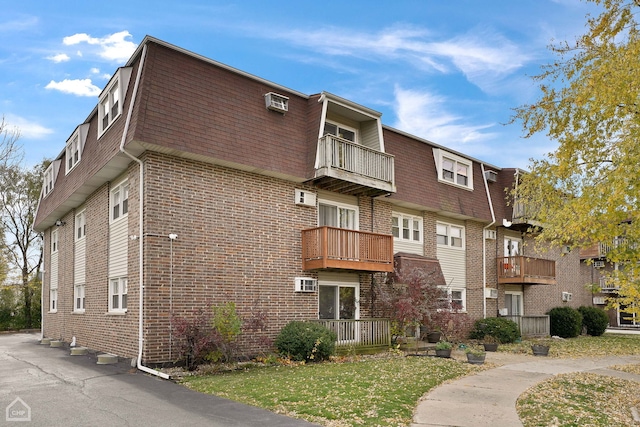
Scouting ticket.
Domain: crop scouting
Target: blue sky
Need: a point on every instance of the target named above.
(447, 71)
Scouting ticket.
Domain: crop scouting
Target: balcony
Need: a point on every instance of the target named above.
(607, 285)
(339, 248)
(526, 270)
(349, 168)
(522, 218)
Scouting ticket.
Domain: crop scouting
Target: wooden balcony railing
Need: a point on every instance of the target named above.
(526, 270)
(532, 326)
(361, 333)
(607, 285)
(355, 165)
(331, 247)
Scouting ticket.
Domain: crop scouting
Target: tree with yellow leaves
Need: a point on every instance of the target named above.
(588, 190)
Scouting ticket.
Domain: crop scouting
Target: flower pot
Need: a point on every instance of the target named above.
(540, 350)
(490, 346)
(434, 336)
(475, 359)
(446, 352)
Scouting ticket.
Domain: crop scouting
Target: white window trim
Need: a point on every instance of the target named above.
(341, 205)
(119, 190)
(77, 290)
(55, 242)
(122, 290)
(450, 290)
(121, 79)
(80, 223)
(49, 180)
(439, 156)
(411, 219)
(345, 127)
(73, 146)
(53, 300)
(449, 245)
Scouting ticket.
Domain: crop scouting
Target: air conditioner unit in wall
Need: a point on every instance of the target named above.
(305, 198)
(567, 296)
(491, 176)
(490, 234)
(276, 102)
(306, 284)
(598, 264)
(491, 293)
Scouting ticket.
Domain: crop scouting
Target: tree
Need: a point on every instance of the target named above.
(588, 190)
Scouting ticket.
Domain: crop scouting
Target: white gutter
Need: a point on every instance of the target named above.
(484, 245)
(139, 365)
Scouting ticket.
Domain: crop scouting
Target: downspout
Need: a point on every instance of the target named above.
(140, 223)
(484, 244)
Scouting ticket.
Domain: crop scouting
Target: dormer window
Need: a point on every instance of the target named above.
(73, 153)
(111, 100)
(340, 131)
(48, 180)
(453, 169)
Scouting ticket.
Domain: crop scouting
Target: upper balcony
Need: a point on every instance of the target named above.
(526, 270)
(523, 217)
(347, 167)
(339, 248)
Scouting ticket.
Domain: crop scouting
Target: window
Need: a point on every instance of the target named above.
(111, 99)
(453, 169)
(449, 235)
(54, 241)
(48, 179)
(118, 294)
(454, 298)
(78, 298)
(73, 152)
(120, 200)
(81, 227)
(407, 228)
(337, 216)
(340, 131)
(53, 300)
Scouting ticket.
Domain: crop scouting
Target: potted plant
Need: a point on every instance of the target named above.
(443, 349)
(490, 343)
(540, 348)
(433, 335)
(475, 356)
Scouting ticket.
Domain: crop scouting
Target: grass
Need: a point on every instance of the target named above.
(384, 390)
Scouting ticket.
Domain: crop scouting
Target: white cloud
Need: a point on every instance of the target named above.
(77, 87)
(61, 57)
(425, 115)
(27, 129)
(113, 47)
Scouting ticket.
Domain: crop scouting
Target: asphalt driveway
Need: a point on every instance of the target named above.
(49, 387)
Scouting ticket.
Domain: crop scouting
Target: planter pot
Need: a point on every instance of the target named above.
(475, 359)
(433, 337)
(443, 353)
(540, 350)
(490, 346)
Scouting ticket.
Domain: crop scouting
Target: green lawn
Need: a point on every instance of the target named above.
(384, 390)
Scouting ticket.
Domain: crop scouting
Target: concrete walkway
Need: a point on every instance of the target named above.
(489, 397)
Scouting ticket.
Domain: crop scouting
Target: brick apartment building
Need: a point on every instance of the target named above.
(206, 184)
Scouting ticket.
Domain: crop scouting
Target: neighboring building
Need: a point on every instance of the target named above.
(207, 184)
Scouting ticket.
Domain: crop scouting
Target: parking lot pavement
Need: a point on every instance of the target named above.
(47, 387)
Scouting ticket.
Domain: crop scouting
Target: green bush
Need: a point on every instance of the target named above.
(308, 341)
(505, 331)
(594, 319)
(566, 322)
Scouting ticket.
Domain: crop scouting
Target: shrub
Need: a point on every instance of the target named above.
(308, 341)
(503, 330)
(566, 322)
(194, 337)
(594, 319)
(227, 325)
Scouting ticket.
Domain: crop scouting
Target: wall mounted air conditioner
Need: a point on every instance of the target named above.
(599, 300)
(491, 176)
(306, 284)
(276, 102)
(567, 296)
(305, 198)
(598, 264)
(503, 311)
(491, 293)
(490, 234)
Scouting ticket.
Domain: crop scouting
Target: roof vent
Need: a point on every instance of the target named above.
(276, 102)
